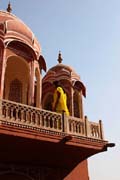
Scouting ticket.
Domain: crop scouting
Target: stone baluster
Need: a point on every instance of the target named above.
(65, 124)
(16, 114)
(26, 115)
(49, 117)
(92, 130)
(101, 129)
(33, 118)
(30, 119)
(36, 119)
(74, 126)
(11, 113)
(87, 128)
(71, 125)
(43, 120)
(83, 128)
(40, 119)
(57, 124)
(7, 112)
(22, 115)
(77, 127)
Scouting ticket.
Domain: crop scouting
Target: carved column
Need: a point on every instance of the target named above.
(72, 101)
(2, 69)
(80, 105)
(31, 85)
(38, 85)
(40, 89)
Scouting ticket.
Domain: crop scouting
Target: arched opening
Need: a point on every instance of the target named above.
(48, 102)
(76, 104)
(16, 81)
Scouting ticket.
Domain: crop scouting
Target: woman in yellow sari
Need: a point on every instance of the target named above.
(60, 100)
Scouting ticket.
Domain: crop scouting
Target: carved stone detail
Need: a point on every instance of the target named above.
(28, 117)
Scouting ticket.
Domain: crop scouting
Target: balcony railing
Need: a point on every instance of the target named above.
(17, 114)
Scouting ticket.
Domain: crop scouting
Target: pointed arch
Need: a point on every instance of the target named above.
(16, 83)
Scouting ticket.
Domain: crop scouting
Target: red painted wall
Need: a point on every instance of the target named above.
(80, 172)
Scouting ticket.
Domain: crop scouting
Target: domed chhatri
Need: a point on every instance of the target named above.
(19, 48)
(13, 29)
(61, 72)
(71, 83)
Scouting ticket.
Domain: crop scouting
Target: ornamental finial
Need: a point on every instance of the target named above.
(9, 8)
(59, 57)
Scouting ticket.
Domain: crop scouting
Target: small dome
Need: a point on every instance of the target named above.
(12, 28)
(64, 74)
(63, 71)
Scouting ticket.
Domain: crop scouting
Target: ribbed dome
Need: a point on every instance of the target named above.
(62, 70)
(64, 74)
(12, 28)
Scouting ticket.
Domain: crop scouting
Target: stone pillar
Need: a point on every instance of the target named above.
(39, 85)
(40, 89)
(72, 101)
(101, 129)
(2, 69)
(80, 105)
(87, 131)
(31, 85)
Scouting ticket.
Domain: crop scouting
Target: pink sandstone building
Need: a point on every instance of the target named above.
(35, 142)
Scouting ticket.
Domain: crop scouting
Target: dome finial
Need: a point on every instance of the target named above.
(59, 57)
(9, 8)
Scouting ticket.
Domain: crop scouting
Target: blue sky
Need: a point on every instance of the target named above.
(87, 32)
